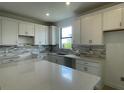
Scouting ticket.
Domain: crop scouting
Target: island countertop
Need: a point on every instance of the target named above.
(43, 75)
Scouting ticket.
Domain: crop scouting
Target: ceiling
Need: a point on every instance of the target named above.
(58, 10)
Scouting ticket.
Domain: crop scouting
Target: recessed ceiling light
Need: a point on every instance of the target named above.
(47, 14)
(67, 3)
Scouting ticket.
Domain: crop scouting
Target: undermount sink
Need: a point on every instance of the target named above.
(61, 54)
(71, 55)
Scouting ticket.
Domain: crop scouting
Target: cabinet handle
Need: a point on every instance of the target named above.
(26, 32)
(56, 61)
(90, 41)
(85, 63)
(85, 69)
(120, 24)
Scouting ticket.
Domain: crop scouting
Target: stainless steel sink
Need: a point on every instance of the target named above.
(61, 54)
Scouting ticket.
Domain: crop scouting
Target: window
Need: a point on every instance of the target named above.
(66, 38)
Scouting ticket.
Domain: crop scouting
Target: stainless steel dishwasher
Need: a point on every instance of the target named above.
(70, 62)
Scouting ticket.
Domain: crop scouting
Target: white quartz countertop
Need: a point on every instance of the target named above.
(34, 74)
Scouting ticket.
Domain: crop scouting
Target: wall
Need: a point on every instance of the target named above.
(114, 65)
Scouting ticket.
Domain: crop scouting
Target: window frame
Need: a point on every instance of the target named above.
(60, 45)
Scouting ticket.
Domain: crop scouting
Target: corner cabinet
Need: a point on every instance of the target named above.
(76, 31)
(41, 35)
(112, 19)
(91, 29)
(9, 32)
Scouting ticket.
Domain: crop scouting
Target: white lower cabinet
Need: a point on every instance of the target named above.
(60, 60)
(56, 59)
(52, 58)
(91, 68)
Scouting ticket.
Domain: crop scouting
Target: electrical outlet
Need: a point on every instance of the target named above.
(122, 78)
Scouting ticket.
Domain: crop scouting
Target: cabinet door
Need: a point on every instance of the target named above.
(30, 29)
(92, 70)
(39, 35)
(91, 29)
(38, 29)
(112, 19)
(60, 60)
(76, 31)
(85, 28)
(52, 58)
(54, 29)
(9, 32)
(46, 31)
(53, 35)
(97, 33)
(22, 28)
(0, 31)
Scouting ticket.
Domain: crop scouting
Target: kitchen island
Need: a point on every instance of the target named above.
(34, 74)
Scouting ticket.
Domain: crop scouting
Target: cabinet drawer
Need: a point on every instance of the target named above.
(79, 67)
(93, 70)
(98, 65)
(89, 69)
(81, 62)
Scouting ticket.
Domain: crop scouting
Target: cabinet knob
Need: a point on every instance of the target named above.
(120, 24)
(85, 69)
(26, 32)
(90, 41)
(85, 63)
(56, 60)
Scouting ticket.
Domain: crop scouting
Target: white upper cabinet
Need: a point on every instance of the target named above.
(30, 29)
(26, 29)
(46, 30)
(91, 29)
(41, 35)
(53, 35)
(0, 31)
(76, 31)
(9, 32)
(112, 19)
(22, 28)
